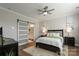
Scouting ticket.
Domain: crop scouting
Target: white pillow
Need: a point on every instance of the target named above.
(49, 35)
(56, 34)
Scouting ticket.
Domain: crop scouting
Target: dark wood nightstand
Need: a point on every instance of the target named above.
(70, 41)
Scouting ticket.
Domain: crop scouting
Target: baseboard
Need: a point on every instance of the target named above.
(77, 45)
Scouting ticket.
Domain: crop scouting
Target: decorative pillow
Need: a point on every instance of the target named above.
(49, 35)
(56, 34)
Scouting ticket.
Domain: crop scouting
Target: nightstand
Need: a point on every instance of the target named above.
(70, 41)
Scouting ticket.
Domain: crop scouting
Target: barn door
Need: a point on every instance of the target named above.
(23, 32)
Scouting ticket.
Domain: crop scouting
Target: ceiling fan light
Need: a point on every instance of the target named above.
(45, 13)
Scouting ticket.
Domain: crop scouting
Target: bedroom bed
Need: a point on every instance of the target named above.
(53, 41)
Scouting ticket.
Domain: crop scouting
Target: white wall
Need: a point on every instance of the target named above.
(60, 23)
(8, 20)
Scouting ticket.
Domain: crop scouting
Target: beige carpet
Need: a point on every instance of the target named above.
(42, 52)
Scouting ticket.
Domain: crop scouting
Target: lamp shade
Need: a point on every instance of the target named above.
(44, 30)
(68, 28)
(31, 25)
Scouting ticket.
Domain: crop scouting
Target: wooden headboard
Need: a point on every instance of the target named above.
(57, 31)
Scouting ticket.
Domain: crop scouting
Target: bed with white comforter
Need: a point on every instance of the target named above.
(55, 41)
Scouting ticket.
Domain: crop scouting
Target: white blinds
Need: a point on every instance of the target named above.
(22, 32)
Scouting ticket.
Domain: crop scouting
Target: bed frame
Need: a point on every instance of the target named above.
(51, 47)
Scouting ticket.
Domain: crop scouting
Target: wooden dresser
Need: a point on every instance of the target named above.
(9, 47)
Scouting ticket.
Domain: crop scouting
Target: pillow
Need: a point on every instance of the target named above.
(49, 35)
(56, 34)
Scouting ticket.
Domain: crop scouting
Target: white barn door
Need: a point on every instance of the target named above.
(23, 32)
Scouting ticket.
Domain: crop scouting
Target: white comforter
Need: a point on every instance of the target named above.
(58, 42)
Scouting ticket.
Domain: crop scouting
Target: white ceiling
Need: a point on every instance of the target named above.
(30, 9)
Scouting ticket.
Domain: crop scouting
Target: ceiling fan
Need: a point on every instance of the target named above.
(45, 11)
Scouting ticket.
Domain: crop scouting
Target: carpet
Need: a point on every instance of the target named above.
(43, 52)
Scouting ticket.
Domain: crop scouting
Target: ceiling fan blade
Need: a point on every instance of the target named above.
(39, 10)
(50, 10)
(49, 13)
